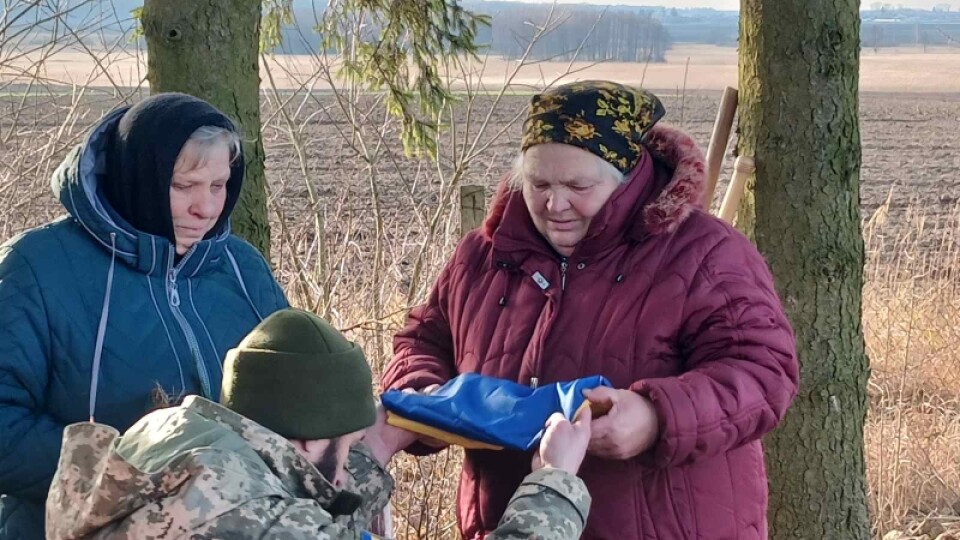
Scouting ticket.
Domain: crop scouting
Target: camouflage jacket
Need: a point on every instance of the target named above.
(201, 471)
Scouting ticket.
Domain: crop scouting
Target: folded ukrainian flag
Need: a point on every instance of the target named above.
(480, 412)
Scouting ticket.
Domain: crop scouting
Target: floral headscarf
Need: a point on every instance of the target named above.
(603, 117)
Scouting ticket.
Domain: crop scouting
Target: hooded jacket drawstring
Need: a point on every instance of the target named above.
(105, 315)
(102, 329)
(243, 285)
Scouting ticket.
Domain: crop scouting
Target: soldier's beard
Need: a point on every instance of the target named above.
(328, 464)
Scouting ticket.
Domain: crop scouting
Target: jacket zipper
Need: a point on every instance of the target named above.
(173, 298)
(548, 325)
(563, 273)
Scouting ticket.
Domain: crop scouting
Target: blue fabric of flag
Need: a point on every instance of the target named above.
(491, 410)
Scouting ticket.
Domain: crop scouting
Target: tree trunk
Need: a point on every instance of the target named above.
(209, 49)
(798, 118)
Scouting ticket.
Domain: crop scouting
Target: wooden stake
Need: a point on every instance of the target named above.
(472, 208)
(718, 142)
(742, 170)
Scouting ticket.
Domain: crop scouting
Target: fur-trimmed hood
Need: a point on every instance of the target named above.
(669, 206)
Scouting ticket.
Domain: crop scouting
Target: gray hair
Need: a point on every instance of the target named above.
(515, 177)
(207, 138)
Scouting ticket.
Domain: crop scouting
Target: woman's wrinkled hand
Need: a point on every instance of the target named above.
(630, 428)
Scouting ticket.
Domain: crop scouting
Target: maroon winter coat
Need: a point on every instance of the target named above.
(660, 298)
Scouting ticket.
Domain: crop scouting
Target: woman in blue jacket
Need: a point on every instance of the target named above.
(140, 289)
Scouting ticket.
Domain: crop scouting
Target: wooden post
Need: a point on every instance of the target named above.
(718, 142)
(472, 208)
(742, 169)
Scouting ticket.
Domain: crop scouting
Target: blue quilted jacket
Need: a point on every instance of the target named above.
(95, 316)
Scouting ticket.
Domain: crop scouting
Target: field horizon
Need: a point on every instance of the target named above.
(688, 67)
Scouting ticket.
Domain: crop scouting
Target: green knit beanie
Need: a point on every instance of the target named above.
(299, 377)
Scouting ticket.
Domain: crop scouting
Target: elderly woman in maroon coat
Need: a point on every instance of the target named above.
(596, 259)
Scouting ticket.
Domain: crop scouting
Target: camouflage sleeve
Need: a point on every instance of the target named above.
(367, 478)
(550, 504)
(294, 519)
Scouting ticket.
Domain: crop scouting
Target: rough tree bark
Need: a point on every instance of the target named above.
(210, 49)
(799, 64)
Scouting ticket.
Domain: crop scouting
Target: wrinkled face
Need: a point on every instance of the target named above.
(198, 192)
(329, 456)
(564, 187)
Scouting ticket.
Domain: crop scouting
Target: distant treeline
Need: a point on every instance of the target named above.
(624, 33)
(617, 34)
(589, 33)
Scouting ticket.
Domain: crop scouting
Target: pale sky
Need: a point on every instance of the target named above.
(735, 4)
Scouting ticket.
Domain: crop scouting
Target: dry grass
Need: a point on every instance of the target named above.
(911, 305)
(360, 231)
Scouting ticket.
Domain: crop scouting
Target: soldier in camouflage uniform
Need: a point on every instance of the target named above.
(296, 401)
